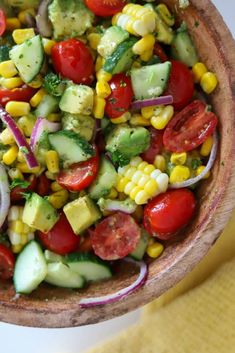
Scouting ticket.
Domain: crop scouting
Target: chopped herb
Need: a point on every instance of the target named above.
(112, 100)
(222, 163)
(196, 24)
(122, 83)
(24, 150)
(21, 56)
(19, 183)
(196, 163)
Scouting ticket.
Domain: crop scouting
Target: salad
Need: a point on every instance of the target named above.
(105, 135)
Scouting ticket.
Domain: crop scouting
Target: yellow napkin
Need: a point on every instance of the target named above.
(198, 320)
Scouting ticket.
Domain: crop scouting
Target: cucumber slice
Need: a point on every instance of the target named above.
(150, 81)
(28, 58)
(71, 147)
(47, 106)
(89, 266)
(121, 59)
(30, 268)
(52, 257)
(182, 49)
(112, 37)
(60, 275)
(139, 251)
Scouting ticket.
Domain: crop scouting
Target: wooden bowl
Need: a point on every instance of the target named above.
(55, 307)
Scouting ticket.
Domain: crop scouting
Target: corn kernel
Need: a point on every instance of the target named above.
(17, 109)
(6, 137)
(11, 83)
(141, 198)
(48, 44)
(129, 186)
(199, 69)
(113, 194)
(155, 250)
(50, 175)
(160, 122)
(151, 187)
(147, 112)
(138, 120)
(144, 45)
(23, 167)
(122, 119)
(18, 226)
(21, 35)
(137, 176)
(179, 174)
(52, 161)
(165, 14)
(10, 156)
(200, 170)
(99, 107)
(143, 180)
(130, 172)
(136, 65)
(12, 24)
(102, 75)
(206, 147)
(94, 40)
(99, 63)
(103, 89)
(54, 117)
(16, 248)
(179, 158)
(59, 198)
(56, 187)
(7, 69)
(149, 169)
(209, 82)
(160, 163)
(15, 174)
(37, 98)
(135, 161)
(21, 157)
(122, 184)
(142, 166)
(37, 82)
(146, 56)
(23, 15)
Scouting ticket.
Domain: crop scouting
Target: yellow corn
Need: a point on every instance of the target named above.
(179, 158)
(54, 117)
(22, 16)
(37, 98)
(139, 120)
(148, 112)
(179, 174)
(113, 194)
(56, 187)
(146, 56)
(6, 137)
(17, 109)
(26, 123)
(13, 23)
(99, 107)
(99, 63)
(144, 45)
(23, 167)
(10, 156)
(122, 119)
(21, 157)
(50, 175)
(102, 75)
(200, 170)
(11, 83)
(206, 147)
(15, 174)
(37, 82)
(48, 44)
(155, 250)
(165, 14)
(209, 82)
(162, 117)
(199, 69)
(7, 69)
(21, 35)
(94, 40)
(103, 89)
(160, 163)
(59, 198)
(52, 161)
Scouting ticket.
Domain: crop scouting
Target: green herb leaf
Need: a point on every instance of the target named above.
(196, 163)
(19, 183)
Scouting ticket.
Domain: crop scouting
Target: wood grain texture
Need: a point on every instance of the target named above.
(51, 307)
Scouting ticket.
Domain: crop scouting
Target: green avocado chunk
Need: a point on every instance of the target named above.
(81, 124)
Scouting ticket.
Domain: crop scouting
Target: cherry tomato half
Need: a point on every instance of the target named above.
(181, 85)
(80, 175)
(121, 97)
(73, 60)
(2, 22)
(85, 244)
(189, 128)
(61, 239)
(160, 52)
(169, 212)
(24, 94)
(7, 262)
(105, 7)
(16, 193)
(156, 145)
(43, 185)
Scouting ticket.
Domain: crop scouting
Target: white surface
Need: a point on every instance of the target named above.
(26, 340)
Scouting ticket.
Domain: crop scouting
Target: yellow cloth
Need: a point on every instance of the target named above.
(200, 320)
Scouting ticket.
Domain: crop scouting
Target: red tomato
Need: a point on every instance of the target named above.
(73, 60)
(156, 145)
(24, 94)
(121, 97)
(80, 175)
(16, 193)
(115, 237)
(105, 7)
(43, 185)
(61, 239)
(169, 212)
(160, 52)
(2, 22)
(85, 245)
(189, 128)
(7, 262)
(181, 85)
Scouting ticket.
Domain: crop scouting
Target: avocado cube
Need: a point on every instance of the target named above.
(77, 99)
(81, 214)
(39, 213)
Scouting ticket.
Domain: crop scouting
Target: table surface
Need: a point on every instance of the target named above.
(76, 340)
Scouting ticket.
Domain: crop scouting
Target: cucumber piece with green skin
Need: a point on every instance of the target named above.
(139, 251)
(28, 58)
(47, 106)
(4, 53)
(52, 257)
(182, 49)
(112, 37)
(88, 266)
(30, 268)
(121, 59)
(60, 275)
(71, 147)
(150, 81)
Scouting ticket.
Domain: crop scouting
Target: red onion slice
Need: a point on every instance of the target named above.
(209, 165)
(19, 138)
(41, 126)
(164, 100)
(4, 195)
(111, 298)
